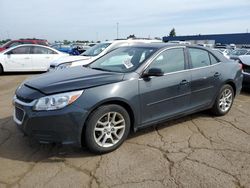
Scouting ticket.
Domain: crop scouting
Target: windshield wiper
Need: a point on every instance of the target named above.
(97, 68)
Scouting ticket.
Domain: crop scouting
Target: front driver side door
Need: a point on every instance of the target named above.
(168, 95)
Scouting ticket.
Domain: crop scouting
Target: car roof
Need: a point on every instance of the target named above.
(34, 45)
(131, 41)
(159, 45)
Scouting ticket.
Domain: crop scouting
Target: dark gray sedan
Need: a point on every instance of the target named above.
(127, 89)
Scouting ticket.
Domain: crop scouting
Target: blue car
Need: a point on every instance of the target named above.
(69, 49)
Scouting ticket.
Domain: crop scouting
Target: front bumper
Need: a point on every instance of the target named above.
(59, 126)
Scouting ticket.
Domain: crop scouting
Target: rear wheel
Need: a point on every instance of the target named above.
(107, 128)
(224, 101)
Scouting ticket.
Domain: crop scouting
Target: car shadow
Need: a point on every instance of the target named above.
(15, 146)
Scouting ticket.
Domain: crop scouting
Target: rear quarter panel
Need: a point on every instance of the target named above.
(231, 73)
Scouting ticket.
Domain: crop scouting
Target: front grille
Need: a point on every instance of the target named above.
(19, 114)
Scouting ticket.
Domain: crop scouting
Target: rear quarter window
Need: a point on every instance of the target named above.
(213, 59)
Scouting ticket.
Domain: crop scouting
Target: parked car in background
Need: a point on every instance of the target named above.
(13, 43)
(224, 52)
(95, 52)
(28, 57)
(244, 60)
(127, 89)
(237, 52)
(63, 48)
(72, 49)
(80, 48)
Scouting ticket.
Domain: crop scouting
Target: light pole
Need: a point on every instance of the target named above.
(117, 30)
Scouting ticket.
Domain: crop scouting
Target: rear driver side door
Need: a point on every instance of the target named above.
(204, 76)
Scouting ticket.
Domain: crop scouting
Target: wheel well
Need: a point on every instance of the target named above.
(117, 102)
(1, 66)
(232, 85)
(127, 108)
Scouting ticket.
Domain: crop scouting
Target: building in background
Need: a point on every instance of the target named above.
(238, 39)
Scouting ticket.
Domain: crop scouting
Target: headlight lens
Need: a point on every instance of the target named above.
(64, 65)
(55, 102)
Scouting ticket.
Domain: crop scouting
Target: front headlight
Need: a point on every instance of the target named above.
(64, 65)
(58, 101)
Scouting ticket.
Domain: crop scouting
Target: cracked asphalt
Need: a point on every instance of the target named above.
(195, 151)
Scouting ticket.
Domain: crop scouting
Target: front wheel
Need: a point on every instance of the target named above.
(224, 101)
(107, 128)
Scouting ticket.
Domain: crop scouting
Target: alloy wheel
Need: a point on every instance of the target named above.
(226, 100)
(109, 129)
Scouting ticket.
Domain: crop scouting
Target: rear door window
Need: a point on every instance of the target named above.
(199, 58)
(41, 50)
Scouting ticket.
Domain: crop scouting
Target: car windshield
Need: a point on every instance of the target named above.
(96, 50)
(239, 52)
(124, 59)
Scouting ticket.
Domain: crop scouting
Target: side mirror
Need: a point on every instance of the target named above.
(153, 72)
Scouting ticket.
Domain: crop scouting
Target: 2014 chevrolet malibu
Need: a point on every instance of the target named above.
(128, 88)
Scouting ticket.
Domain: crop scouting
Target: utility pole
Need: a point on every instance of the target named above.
(117, 30)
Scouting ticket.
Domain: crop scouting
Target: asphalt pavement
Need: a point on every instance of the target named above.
(199, 150)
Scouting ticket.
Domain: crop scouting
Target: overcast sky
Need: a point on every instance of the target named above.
(97, 19)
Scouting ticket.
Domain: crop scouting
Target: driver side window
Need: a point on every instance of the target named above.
(20, 50)
(171, 60)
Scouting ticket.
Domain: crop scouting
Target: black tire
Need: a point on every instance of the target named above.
(1, 69)
(216, 109)
(90, 133)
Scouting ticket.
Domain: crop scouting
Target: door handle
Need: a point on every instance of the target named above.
(47, 57)
(26, 58)
(184, 82)
(217, 74)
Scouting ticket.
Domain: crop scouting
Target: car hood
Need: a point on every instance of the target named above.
(245, 59)
(70, 79)
(68, 59)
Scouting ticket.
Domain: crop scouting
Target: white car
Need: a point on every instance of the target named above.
(28, 57)
(94, 53)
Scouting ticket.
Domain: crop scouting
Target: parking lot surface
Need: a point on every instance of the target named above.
(195, 151)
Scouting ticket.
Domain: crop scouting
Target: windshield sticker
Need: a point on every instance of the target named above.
(127, 63)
